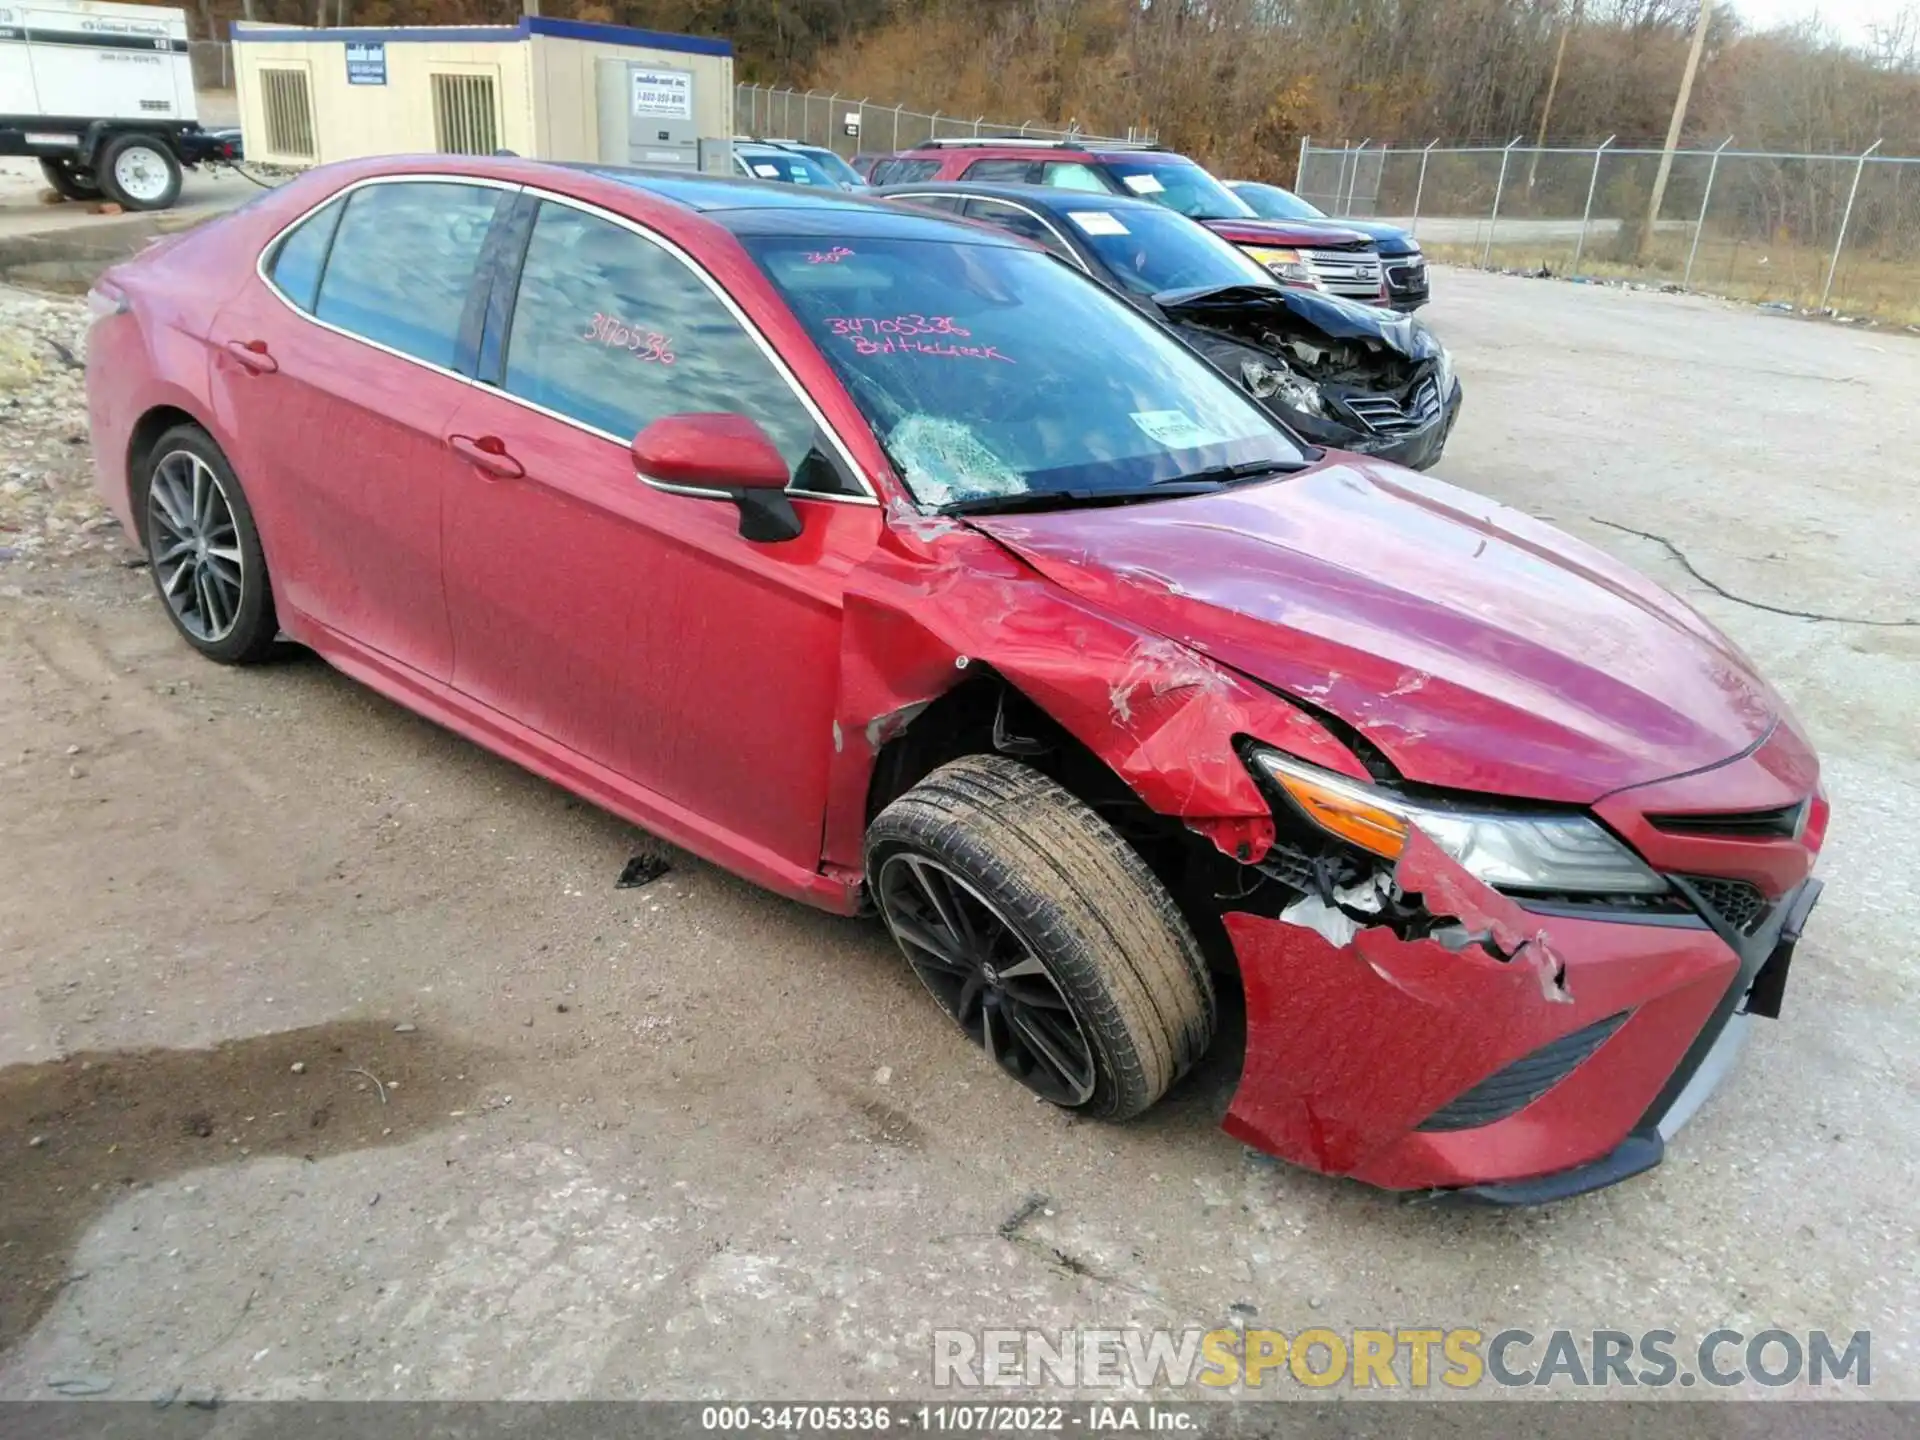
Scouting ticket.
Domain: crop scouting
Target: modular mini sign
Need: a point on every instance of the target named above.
(366, 62)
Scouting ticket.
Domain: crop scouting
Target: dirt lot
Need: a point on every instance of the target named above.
(338, 1066)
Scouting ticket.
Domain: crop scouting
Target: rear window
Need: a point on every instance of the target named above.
(991, 370)
(403, 263)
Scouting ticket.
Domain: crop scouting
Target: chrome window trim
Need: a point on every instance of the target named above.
(868, 497)
(1044, 223)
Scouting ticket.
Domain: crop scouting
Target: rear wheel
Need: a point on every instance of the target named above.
(1042, 934)
(69, 179)
(204, 551)
(139, 172)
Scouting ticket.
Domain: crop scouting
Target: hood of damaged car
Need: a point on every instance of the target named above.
(1477, 648)
(1337, 319)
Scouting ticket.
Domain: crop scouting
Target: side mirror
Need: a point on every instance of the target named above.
(720, 457)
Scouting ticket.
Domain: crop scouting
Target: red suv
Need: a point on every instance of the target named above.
(1341, 262)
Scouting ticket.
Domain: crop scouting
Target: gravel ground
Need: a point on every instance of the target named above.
(353, 1075)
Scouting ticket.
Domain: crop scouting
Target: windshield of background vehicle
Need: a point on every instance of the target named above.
(1153, 250)
(989, 370)
(1270, 202)
(836, 168)
(1179, 185)
(785, 166)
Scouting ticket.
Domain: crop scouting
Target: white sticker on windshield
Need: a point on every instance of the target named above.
(1142, 184)
(1175, 430)
(767, 172)
(1097, 222)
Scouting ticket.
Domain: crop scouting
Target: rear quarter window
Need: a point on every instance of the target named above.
(302, 253)
(403, 263)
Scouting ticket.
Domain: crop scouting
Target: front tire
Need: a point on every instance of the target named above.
(139, 172)
(203, 550)
(1042, 934)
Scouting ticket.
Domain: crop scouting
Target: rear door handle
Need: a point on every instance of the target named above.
(489, 452)
(254, 355)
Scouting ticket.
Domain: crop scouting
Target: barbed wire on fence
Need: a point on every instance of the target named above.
(849, 125)
(1827, 231)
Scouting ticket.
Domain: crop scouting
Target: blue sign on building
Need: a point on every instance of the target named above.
(366, 62)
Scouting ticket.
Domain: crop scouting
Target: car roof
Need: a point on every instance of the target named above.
(1041, 197)
(1010, 146)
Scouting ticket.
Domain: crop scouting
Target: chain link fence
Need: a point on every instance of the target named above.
(849, 126)
(1818, 231)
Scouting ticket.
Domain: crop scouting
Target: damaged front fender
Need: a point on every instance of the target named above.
(937, 598)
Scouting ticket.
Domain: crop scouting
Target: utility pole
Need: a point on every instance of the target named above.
(1673, 128)
(1553, 84)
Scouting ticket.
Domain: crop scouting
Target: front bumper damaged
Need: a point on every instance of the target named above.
(1359, 1055)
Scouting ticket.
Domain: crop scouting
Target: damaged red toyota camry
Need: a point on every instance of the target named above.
(892, 564)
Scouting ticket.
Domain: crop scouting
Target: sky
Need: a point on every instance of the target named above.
(1849, 18)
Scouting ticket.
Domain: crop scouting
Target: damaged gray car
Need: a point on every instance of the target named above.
(1340, 374)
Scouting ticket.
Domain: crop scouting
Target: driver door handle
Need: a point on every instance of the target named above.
(489, 453)
(254, 355)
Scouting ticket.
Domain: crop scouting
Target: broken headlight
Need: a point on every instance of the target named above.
(1276, 382)
(1289, 267)
(1508, 850)
(1443, 372)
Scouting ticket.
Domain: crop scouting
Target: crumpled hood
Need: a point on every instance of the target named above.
(1339, 319)
(1476, 647)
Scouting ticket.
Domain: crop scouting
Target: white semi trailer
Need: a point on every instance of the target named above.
(102, 94)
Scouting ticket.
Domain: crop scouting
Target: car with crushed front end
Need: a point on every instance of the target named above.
(1343, 262)
(1408, 284)
(892, 564)
(1352, 376)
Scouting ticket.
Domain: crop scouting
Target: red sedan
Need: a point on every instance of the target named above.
(894, 565)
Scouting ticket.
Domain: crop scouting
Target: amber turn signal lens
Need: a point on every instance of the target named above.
(1341, 812)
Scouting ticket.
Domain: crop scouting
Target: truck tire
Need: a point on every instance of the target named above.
(139, 172)
(69, 180)
(1043, 934)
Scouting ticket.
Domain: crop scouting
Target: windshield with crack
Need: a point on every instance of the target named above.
(990, 370)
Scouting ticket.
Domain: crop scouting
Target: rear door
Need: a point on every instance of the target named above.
(634, 627)
(338, 377)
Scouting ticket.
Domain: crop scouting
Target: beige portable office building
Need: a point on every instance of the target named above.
(548, 89)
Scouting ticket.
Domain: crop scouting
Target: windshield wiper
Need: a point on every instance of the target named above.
(1204, 483)
(1219, 475)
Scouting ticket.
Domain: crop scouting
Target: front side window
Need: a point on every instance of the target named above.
(1179, 185)
(991, 371)
(303, 254)
(1149, 251)
(611, 330)
(403, 264)
(1004, 171)
(902, 172)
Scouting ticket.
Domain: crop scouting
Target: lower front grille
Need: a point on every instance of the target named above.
(1509, 1091)
(1386, 415)
(1739, 905)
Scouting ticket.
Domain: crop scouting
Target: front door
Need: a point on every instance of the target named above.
(635, 627)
